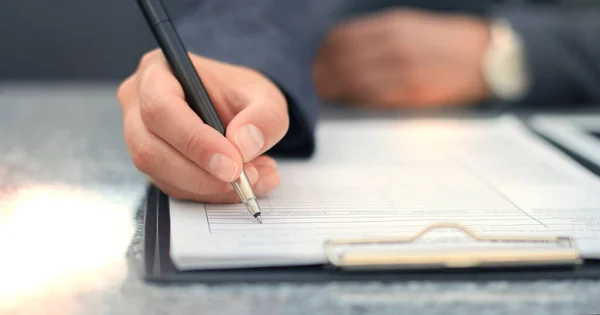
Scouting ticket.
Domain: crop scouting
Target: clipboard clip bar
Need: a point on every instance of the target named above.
(519, 251)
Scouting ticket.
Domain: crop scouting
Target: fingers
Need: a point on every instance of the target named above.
(126, 93)
(187, 158)
(257, 116)
(268, 175)
(165, 113)
(328, 88)
(259, 126)
(358, 74)
(268, 180)
(160, 161)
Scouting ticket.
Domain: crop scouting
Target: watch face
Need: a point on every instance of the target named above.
(504, 68)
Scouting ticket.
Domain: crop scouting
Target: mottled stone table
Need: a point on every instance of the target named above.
(68, 195)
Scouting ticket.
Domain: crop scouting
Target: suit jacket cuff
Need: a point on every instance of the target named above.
(551, 68)
(261, 45)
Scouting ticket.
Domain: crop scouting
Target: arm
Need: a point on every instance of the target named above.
(562, 52)
(277, 38)
(254, 46)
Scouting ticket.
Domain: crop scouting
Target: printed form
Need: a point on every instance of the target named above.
(393, 178)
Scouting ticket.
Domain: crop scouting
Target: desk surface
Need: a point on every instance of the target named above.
(68, 194)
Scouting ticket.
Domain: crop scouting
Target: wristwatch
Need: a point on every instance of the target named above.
(504, 68)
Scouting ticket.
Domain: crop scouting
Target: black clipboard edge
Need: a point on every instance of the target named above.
(159, 268)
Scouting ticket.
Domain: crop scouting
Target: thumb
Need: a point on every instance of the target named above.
(260, 125)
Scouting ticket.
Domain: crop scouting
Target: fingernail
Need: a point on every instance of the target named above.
(250, 141)
(222, 167)
(252, 173)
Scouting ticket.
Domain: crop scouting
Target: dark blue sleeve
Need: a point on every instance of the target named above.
(562, 51)
(279, 39)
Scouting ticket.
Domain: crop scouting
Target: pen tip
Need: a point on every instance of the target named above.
(259, 219)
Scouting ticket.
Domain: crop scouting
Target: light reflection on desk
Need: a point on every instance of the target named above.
(55, 238)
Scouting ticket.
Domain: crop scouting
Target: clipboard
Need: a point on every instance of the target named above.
(349, 262)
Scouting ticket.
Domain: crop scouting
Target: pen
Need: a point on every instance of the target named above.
(195, 94)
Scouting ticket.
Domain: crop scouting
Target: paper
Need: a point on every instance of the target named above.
(577, 133)
(392, 178)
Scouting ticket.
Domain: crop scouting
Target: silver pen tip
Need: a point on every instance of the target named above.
(254, 209)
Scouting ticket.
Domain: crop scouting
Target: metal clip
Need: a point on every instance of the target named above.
(356, 254)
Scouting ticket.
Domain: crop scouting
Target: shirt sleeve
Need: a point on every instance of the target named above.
(562, 51)
(277, 38)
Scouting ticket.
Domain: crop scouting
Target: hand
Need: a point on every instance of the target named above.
(404, 58)
(188, 159)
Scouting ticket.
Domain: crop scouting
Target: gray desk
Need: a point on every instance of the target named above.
(68, 194)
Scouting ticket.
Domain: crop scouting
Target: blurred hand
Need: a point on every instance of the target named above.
(183, 156)
(404, 58)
